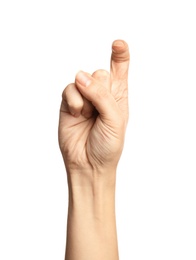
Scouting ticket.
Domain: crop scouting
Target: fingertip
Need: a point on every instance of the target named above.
(119, 45)
(120, 51)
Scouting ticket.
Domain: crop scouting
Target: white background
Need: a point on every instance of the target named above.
(43, 44)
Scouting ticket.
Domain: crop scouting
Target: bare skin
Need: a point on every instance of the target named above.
(92, 125)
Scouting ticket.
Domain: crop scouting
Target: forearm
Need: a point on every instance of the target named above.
(91, 229)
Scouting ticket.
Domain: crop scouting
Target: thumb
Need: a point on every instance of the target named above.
(98, 94)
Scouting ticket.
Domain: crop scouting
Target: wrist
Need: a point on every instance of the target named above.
(95, 179)
(92, 191)
(91, 214)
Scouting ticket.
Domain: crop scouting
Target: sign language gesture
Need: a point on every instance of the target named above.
(94, 114)
(92, 124)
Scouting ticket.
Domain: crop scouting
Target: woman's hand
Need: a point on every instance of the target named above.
(93, 119)
(94, 114)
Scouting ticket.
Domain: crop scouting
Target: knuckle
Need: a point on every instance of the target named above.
(74, 105)
(100, 73)
(66, 90)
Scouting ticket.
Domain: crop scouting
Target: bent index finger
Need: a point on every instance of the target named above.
(119, 60)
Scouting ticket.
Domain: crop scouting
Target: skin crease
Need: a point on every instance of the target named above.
(92, 125)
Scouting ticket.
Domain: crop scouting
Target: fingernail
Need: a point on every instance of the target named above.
(83, 79)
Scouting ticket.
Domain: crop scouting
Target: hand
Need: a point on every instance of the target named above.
(94, 115)
(93, 119)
